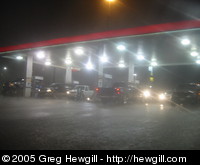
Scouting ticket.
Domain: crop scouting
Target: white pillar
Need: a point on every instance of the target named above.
(68, 76)
(100, 68)
(100, 74)
(29, 71)
(131, 73)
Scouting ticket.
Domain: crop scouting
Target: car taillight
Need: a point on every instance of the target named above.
(117, 90)
(97, 90)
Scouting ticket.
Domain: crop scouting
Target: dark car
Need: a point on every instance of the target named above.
(186, 94)
(120, 92)
(13, 88)
(55, 90)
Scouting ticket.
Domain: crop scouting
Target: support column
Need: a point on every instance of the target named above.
(29, 72)
(100, 75)
(131, 73)
(68, 76)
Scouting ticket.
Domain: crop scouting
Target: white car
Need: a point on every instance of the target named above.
(86, 92)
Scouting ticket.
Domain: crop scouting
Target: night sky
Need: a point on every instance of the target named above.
(39, 20)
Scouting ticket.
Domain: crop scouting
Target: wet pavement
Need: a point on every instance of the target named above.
(64, 124)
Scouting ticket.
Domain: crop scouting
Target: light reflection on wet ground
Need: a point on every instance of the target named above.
(64, 124)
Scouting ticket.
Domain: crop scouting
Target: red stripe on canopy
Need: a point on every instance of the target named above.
(109, 34)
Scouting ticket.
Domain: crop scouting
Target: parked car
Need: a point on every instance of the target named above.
(81, 92)
(55, 90)
(186, 94)
(120, 92)
(13, 88)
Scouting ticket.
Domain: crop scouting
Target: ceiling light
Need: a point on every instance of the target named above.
(185, 41)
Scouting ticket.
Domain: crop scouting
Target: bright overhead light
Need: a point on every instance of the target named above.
(154, 63)
(185, 41)
(198, 61)
(194, 54)
(121, 64)
(40, 55)
(48, 62)
(5, 68)
(140, 57)
(79, 51)
(110, 0)
(89, 65)
(104, 59)
(68, 61)
(121, 47)
(19, 58)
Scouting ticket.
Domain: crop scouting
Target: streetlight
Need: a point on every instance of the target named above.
(109, 12)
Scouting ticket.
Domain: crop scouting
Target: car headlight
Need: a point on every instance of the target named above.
(49, 90)
(146, 93)
(162, 96)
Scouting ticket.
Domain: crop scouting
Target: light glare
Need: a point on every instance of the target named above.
(194, 54)
(121, 47)
(79, 51)
(89, 65)
(198, 61)
(140, 57)
(121, 64)
(185, 41)
(48, 63)
(68, 61)
(154, 63)
(19, 58)
(162, 96)
(146, 94)
(40, 55)
(104, 59)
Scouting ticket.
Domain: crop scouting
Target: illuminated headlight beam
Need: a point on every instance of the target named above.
(146, 94)
(162, 96)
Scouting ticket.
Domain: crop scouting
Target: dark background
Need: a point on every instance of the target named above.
(38, 20)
